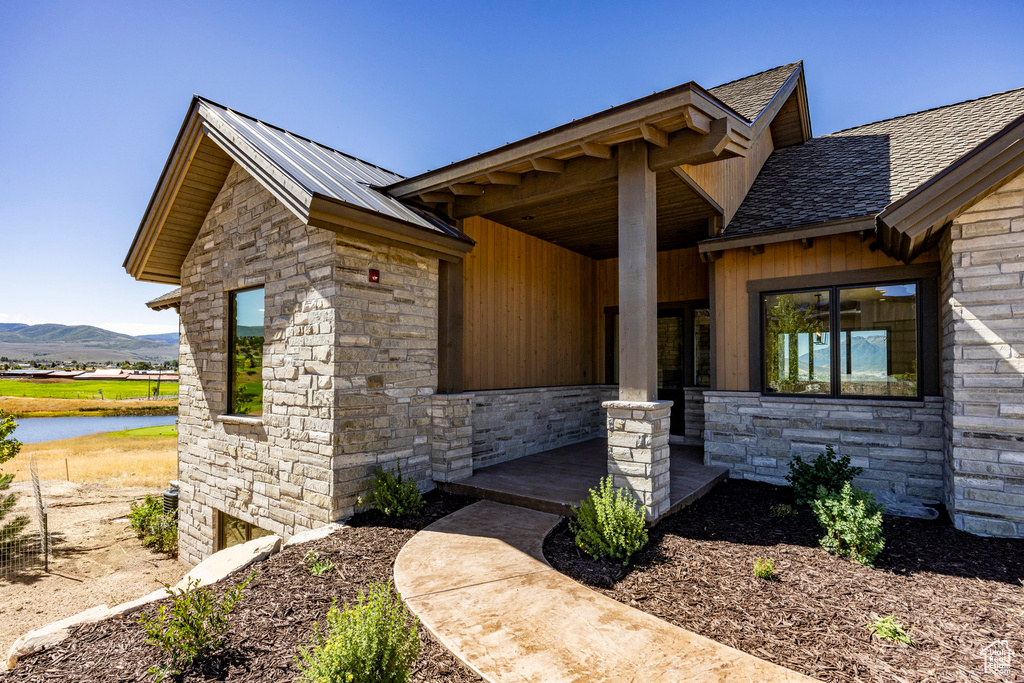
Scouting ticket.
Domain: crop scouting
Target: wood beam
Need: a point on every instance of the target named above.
(466, 189)
(689, 147)
(594, 149)
(504, 178)
(580, 175)
(546, 165)
(638, 274)
(697, 120)
(653, 135)
(437, 197)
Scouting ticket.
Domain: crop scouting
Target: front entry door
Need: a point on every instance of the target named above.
(684, 354)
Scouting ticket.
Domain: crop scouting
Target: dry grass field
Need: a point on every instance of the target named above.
(131, 458)
(70, 407)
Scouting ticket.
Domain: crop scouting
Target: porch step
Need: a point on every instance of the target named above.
(554, 481)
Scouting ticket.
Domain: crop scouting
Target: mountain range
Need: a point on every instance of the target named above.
(83, 343)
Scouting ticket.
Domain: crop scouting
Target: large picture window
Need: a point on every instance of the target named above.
(245, 352)
(842, 341)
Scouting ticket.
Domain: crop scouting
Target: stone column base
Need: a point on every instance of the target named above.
(451, 437)
(638, 452)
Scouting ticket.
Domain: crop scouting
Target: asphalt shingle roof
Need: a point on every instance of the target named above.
(750, 95)
(860, 171)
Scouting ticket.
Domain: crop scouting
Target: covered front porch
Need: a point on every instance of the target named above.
(556, 480)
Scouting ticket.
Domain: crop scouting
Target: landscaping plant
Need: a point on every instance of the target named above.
(782, 511)
(10, 531)
(193, 627)
(609, 523)
(852, 521)
(887, 628)
(157, 529)
(318, 566)
(764, 568)
(392, 495)
(373, 641)
(826, 471)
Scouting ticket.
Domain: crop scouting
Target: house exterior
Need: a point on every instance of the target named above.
(691, 267)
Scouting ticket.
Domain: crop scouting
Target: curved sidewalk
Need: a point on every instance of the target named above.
(477, 579)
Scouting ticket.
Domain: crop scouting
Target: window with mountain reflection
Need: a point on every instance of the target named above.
(842, 341)
(245, 353)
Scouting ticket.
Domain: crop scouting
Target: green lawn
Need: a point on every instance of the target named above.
(159, 430)
(83, 389)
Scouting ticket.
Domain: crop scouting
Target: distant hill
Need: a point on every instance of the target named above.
(166, 338)
(83, 343)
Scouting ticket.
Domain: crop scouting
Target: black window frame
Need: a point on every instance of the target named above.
(231, 375)
(925, 276)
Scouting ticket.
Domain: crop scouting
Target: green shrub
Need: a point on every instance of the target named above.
(887, 628)
(852, 521)
(392, 495)
(193, 627)
(157, 530)
(373, 641)
(318, 565)
(610, 523)
(764, 568)
(826, 470)
(782, 511)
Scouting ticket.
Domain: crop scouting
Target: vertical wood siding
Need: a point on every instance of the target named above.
(782, 259)
(728, 181)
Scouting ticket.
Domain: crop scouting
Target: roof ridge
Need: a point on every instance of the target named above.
(924, 111)
(759, 73)
(301, 137)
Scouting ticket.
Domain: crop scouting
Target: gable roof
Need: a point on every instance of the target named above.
(752, 94)
(320, 185)
(856, 173)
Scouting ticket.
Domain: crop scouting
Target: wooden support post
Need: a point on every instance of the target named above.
(449, 327)
(638, 275)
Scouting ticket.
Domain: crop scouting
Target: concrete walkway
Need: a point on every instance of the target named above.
(477, 579)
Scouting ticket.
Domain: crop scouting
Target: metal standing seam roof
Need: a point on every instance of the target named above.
(751, 94)
(321, 170)
(860, 171)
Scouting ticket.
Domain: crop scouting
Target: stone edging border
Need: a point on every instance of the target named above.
(211, 570)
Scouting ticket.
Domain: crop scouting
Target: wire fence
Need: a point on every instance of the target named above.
(25, 540)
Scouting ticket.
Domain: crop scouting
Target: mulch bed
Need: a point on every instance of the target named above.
(959, 592)
(274, 618)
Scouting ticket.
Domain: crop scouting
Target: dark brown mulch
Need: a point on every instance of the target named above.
(271, 622)
(959, 592)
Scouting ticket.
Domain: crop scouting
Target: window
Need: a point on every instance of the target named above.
(245, 352)
(867, 345)
(233, 531)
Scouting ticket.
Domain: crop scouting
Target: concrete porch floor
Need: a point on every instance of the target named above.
(555, 480)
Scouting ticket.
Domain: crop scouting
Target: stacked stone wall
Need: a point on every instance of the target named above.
(983, 321)
(511, 423)
(897, 443)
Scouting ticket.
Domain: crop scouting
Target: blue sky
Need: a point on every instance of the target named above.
(92, 95)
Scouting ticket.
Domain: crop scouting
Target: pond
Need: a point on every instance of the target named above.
(36, 429)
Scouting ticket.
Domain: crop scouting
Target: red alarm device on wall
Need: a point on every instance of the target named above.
(374, 275)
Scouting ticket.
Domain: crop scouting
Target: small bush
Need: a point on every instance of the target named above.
(157, 530)
(887, 628)
(193, 627)
(318, 565)
(826, 470)
(764, 568)
(852, 521)
(782, 511)
(392, 495)
(610, 523)
(373, 641)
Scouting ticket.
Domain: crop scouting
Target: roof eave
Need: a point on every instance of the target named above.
(910, 225)
(862, 224)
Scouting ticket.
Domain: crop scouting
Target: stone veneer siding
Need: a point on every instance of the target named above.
(349, 369)
(983, 363)
(897, 443)
(511, 423)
